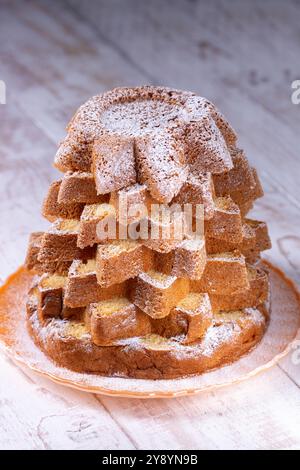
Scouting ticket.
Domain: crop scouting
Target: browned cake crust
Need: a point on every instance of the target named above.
(150, 357)
(158, 307)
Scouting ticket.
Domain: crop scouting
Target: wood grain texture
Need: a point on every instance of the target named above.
(241, 55)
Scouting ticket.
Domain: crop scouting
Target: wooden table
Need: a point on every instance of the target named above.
(241, 55)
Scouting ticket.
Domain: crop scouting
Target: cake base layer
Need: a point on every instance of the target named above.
(149, 357)
(282, 330)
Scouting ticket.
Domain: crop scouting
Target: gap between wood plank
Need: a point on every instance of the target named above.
(288, 375)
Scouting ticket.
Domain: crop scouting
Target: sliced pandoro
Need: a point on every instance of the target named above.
(33, 264)
(151, 356)
(255, 239)
(257, 231)
(242, 318)
(224, 273)
(118, 261)
(246, 207)
(31, 261)
(206, 148)
(215, 246)
(73, 331)
(256, 294)
(155, 342)
(239, 182)
(79, 187)
(189, 259)
(58, 266)
(166, 229)
(262, 238)
(70, 313)
(258, 189)
(249, 241)
(53, 209)
(113, 163)
(162, 262)
(50, 295)
(176, 147)
(132, 203)
(198, 189)
(59, 243)
(226, 223)
(33, 299)
(97, 224)
(115, 319)
(82, 287)
(188, 320)
(72, 154)
(156, 293)
(161, 164)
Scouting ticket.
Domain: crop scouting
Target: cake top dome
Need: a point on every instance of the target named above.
(153, 135)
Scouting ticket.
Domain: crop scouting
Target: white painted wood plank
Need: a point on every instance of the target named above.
(262, 413)
(52, 63)
(37, 414)
(26, 157)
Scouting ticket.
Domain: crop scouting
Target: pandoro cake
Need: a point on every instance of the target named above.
(151, 265)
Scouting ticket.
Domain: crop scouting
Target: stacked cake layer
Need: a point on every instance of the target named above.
(110, 276)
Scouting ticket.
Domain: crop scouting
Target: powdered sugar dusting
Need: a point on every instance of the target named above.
(140, 117)
(149, 112)
(216, 336)
(283, 327)
(161, 145)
